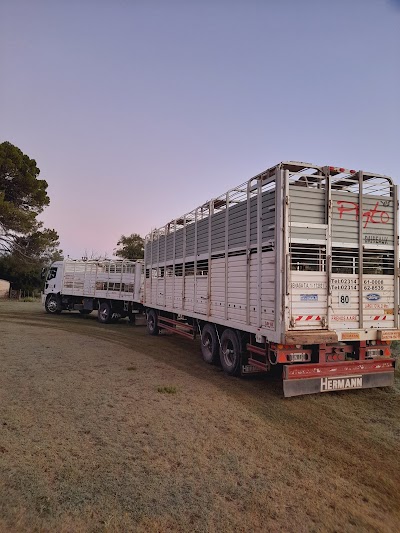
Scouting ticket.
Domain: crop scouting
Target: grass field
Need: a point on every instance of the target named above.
(103, 428)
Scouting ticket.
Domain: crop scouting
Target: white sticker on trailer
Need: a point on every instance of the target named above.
(309, 297)
(308, 285)
(344, 299)
(345, 318)
(344, 284)
(373, 285)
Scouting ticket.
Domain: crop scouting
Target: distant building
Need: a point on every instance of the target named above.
(4, 288)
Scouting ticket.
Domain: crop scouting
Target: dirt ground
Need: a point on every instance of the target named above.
(91, 441)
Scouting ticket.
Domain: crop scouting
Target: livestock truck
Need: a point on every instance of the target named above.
(112, 287)
(296, 269)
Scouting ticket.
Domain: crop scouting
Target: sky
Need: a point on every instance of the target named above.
(139, 111)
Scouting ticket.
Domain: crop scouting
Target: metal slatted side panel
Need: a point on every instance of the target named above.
(364, 279)
(219, 260)
(307, 205)
(307, 277)
(237, 230)
(377, 218)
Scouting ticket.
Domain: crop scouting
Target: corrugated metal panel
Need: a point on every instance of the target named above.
(202, 236)
(308, 302)
(307, 205)
(155, 251)
(179, 244)
(148, 252)
(170, 246)
(190, 238)
(237, 228)
(377, 216)
(105, 279)
(162, 249)
(308, 233)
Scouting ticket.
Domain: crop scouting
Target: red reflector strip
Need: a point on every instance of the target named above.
(380, 317)
(307, 318)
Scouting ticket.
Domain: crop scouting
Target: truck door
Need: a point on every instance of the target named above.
(364, 255)
(307, 261)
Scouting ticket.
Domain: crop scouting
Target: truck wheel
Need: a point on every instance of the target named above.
(152, 323)
(85, 311)
(52, 304)
(209, 344)
(230, 352)
(104, 314)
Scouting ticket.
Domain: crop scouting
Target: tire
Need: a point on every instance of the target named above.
(85, 311)
(209, 344)
(152, 323)
(104, 314)
(230, 352)
(53, 304)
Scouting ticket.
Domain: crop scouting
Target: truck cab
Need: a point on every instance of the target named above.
(52, 287)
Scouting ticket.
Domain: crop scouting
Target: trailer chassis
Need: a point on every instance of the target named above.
(306, 369)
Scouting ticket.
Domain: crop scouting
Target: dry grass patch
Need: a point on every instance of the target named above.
(86, 445)
(167, 390)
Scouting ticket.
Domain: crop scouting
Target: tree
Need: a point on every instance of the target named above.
(131, 247)
(31, 253)
(22, 195)
(42, 246)
(25, 246)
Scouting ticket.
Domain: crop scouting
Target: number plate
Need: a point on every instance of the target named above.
(298, 357)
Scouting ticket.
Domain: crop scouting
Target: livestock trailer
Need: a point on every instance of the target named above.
(296, 268)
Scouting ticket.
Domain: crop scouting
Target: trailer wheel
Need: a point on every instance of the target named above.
(209, 344)
(85, 311)
(104, 314)
(230, 352)
(152, 322)
(53, 304)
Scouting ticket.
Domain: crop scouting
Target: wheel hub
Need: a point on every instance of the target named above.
(52, 305)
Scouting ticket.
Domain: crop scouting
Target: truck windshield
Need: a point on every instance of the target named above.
(52, 273)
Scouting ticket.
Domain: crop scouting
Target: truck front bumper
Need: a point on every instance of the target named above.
(312, 378)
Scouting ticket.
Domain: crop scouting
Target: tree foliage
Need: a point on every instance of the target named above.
(22, 195)
(31, 253)
(130, 247)
(25, 246)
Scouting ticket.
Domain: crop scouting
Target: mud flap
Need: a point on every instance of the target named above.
(316, 378)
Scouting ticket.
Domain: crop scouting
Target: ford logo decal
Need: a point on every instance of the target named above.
(373, 297)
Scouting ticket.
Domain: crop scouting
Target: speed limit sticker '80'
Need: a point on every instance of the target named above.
(344, 299)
